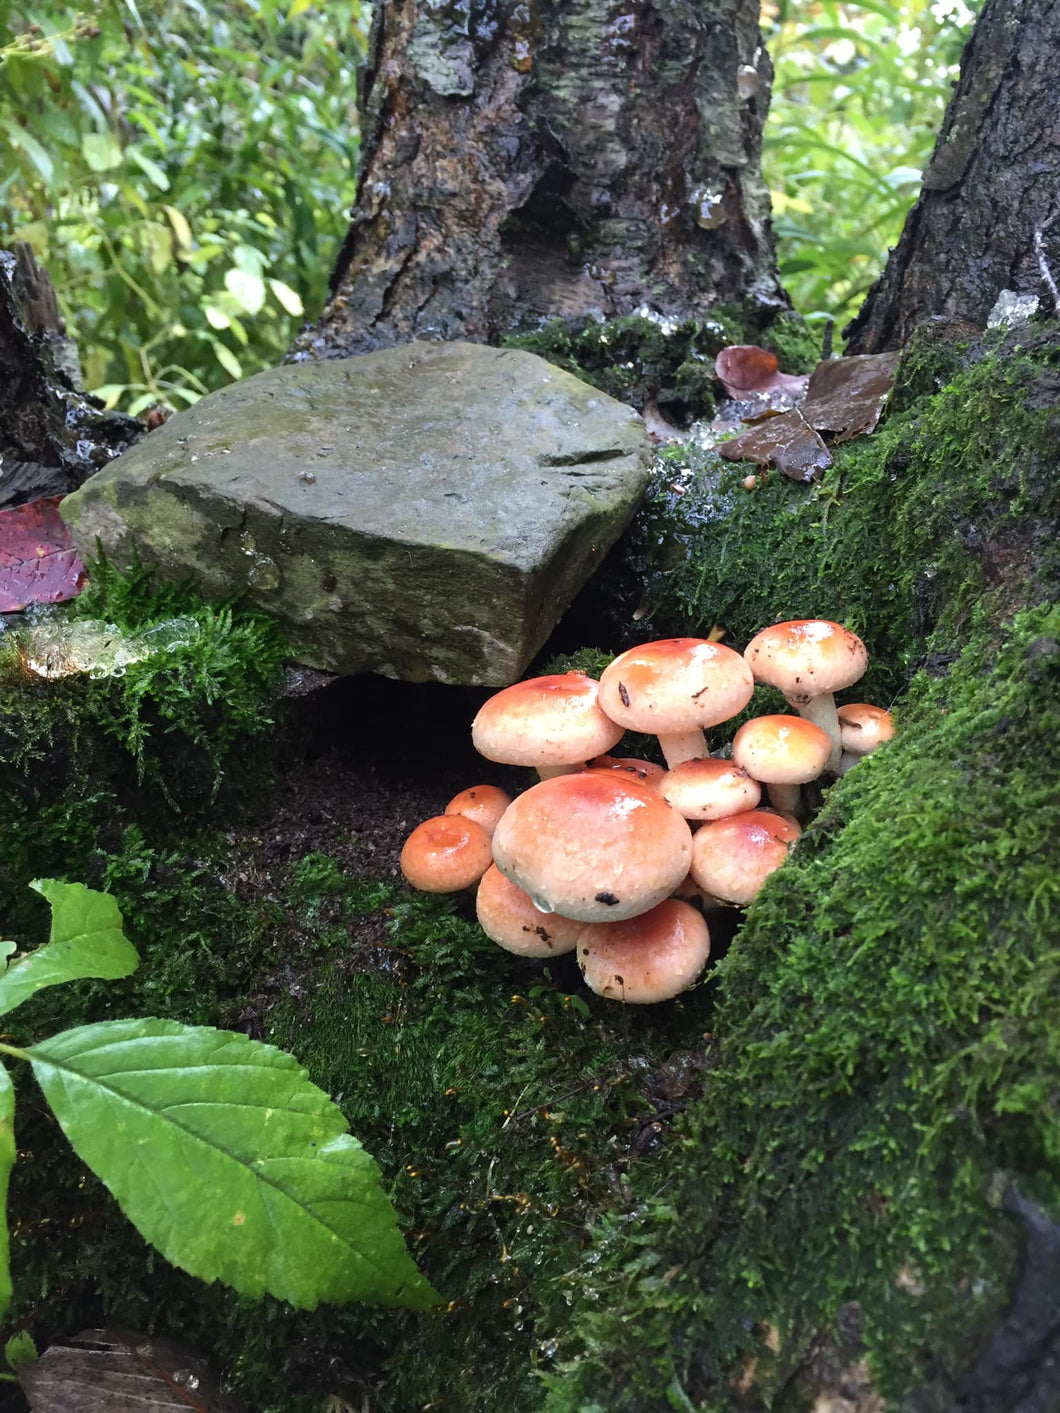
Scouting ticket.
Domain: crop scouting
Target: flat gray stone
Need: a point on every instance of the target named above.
(426, 512)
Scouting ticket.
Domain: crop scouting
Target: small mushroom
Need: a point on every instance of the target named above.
(483, 803)
(674, 689)
(809, 659)
(446, 854)
(552, 723)
(783, 752)
(645, 959)
(508, 917)
(862, 727)
(593, 846)
(732, 858)
(706, 788)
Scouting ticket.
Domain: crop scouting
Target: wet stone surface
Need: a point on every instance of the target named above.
(426, 512)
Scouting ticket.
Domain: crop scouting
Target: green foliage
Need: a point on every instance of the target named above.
(858, 98)
(184, 173)
(215, 1146)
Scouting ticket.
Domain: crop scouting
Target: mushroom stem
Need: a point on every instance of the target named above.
(549, 772)
(822, 712)
(785, 798)
(678, 746)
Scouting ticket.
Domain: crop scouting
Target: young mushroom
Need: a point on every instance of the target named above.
(552, 723)
(862, 727)
(483, 803)
(645, 959)
(508, 917)
(593, 846)
(674, 689)
(783, 752)
(809, 659)
(446, 854)
(706, 788)
(732, 858)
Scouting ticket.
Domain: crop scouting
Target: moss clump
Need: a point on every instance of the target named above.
(506, 1112)
(885, 1042)
(899, 540)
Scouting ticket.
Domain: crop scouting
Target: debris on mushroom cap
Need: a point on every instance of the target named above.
(483, 803)
(645, 959)
(674, 688)
(545, 722)
(593, 846)
(644, 771)
(781, 750)
(807, 657)
(732, 858)
(445, 854)
(863, 727)
(508, 917)
(705, 788)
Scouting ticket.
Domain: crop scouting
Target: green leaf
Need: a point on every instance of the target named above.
(31, 147)
(150, 168)
(181, 229)
(289, 298)
(20, 1349)
(227, 359)
(7, 1162)
(230, 1161)
(246, 289)
(86, 940)
(101, 150)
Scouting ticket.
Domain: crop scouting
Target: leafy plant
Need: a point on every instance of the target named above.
(183, 172)
(216, 1147)
(859, 92)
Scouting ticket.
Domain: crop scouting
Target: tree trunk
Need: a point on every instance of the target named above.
(51, 437)
(552, 157)
(991, 193)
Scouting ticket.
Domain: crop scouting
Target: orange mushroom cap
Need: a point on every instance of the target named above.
(732, 858)
(645, 959)
(445, 854)
(545, 722)
(508, 917)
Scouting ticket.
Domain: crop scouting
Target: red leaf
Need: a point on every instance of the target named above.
(38, 562)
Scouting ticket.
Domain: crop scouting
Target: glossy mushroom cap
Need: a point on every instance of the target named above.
(675, 688)
(863, 727)
(646, 772)
(483, 803)
(732, 858)
(645, 959)
(709, 789)
(593, 846)
(781, 750)
(549, 723)
(807, 658)
(445, 854)
(508, 917)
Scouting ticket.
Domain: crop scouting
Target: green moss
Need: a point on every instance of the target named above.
(797, 346)
(899, 540)
(886, 1042)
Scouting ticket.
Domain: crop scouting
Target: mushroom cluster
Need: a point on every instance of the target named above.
(616, 858)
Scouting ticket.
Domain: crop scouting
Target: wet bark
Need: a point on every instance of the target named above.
(552, 157)
(51, 436)
(987, 216)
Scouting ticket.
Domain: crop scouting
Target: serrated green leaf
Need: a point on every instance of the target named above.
(86, 940)
(7, 1162)
(225, 1157)
(101, 150)
(20, 1349)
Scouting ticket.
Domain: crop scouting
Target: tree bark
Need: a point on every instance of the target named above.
(986, 219)
(552, 157)
(52, 438)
